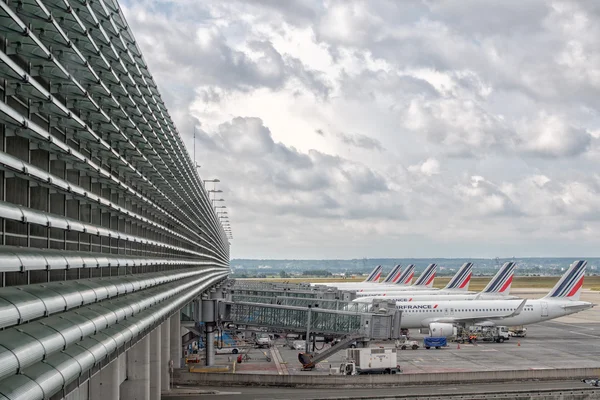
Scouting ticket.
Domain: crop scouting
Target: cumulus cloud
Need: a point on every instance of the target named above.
(429, 167)
(350, 128)
(551, 136)
(361, 141)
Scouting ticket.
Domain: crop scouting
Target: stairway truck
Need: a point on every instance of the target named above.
(370, 361)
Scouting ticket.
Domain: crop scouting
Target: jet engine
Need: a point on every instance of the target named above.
(437, 329)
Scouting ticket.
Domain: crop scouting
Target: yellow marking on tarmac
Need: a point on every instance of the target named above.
(279, 363)
(211, 369)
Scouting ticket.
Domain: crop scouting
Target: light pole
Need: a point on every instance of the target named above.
(213, 201)
(214, 191)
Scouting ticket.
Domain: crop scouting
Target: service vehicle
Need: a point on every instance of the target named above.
(370, 361)
(517, 331)
(263, 340)
(404, 343)
(437, 342)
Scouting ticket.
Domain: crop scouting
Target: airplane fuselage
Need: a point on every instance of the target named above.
(390, 294)
(427, 296)
(421, 314)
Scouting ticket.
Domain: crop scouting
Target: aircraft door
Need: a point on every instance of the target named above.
(451, 311)
(544, 309)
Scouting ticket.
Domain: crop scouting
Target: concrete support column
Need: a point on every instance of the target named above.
(210, 344)
(175, 322)
(155, 364)
(137, 385)
(105, 384)
(165, 356)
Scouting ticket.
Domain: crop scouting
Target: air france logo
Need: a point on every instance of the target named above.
(417, 307)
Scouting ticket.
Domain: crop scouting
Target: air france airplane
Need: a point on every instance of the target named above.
(499, 286)
(399, 278)
(424, 281)
(442, 316)
(459, 283)
(371, 280)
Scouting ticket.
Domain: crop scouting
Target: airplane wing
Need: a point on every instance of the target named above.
(479, 319)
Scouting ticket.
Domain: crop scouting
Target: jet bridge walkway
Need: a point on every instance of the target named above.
(326, 304)
(295, 319)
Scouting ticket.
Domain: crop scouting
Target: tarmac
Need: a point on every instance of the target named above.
(567, 342)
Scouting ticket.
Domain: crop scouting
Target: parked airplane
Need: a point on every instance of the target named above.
(393, 276)
(371, 281)
(499, 286)
(442, 316)
(459, 283)
(427, 277)
(375, 275)
(424, 281)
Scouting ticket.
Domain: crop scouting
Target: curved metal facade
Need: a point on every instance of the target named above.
(106, 228)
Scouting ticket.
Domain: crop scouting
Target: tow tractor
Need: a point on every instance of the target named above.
(403, 343)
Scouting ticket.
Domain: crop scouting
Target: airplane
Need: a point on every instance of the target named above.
(393, 276)
(499, 286)
(371, 280)
(460, 283)
(441, 317)
(426, 278)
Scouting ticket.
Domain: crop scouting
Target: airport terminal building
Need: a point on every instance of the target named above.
(107, 230)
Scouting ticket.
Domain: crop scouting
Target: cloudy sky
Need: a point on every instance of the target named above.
(386, 128)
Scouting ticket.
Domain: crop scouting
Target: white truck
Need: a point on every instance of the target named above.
(496, 334)
(370, 361)
(517, 331)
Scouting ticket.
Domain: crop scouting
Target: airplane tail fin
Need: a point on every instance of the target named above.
(394, 274)
(375, 275)
(502, 281)
(569, 286)
(406, 275)
(460, 281)
(427, 277)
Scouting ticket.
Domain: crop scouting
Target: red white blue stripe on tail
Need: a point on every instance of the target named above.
(375, 275)
(502, 281)
(407, 275)
(427, 277)
(570, 284)
(460, 281)
(394, 274)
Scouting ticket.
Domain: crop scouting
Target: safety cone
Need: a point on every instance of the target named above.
(519, 343)
(458, 347)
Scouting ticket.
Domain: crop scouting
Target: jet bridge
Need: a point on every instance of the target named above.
(382, 321)
(260, 292)
(291, 310)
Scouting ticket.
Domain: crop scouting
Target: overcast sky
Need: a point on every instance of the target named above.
(344, 129)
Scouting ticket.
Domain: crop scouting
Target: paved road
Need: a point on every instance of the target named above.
(261, 393)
